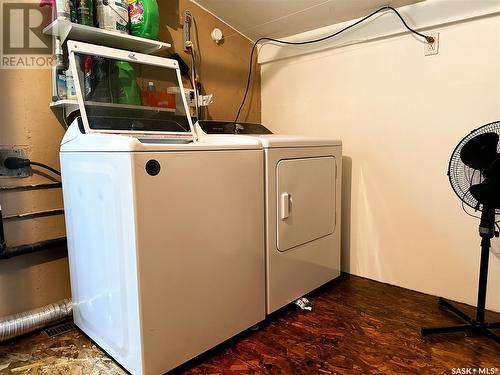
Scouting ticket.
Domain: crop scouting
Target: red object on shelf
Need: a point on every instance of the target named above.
(158, 99)
(51, 4)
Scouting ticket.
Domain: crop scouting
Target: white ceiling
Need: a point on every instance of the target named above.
(280, 18)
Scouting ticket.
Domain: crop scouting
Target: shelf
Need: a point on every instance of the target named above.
(65, 103)
(63, 108)
(68, 105)
(66, 30)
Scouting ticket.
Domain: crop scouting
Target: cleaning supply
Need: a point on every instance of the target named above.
(144, 18)
(101, 79)
(128, 89)
(63, 10)
(85, 12)
(60, 8)
(154, 98)
(113, 16)
(73, 11)
(58, 74)
(61, 85)
(88, 82)
(70, 86)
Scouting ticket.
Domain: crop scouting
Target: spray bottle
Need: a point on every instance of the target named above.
(112, 15)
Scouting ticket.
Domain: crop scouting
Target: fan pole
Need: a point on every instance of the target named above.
(478, 325)
(487, 232)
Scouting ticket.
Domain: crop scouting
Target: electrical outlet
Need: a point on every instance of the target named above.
(432, 48)
(16, 151)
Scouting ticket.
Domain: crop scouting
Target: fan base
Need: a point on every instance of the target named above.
(481, 328)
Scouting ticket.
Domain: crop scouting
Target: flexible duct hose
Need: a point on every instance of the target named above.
(29, 321)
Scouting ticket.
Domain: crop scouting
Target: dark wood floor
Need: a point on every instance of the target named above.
(357, 326)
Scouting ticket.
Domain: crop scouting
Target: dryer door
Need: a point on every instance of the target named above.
(306, 200)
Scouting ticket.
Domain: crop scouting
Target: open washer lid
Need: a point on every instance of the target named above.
(123, 92)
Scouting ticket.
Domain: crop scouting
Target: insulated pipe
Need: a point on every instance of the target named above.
(19, 324)
(9, 252)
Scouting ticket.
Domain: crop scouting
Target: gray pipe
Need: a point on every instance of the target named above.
(29, 321)
(14, 251)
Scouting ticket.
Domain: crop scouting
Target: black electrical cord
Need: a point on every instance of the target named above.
(428, 38)
(45, 166)
(16, 163)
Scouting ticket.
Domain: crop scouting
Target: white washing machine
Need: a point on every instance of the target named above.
(166, 241)
(303, 194)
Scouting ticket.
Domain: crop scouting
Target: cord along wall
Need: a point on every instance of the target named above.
(400, 115)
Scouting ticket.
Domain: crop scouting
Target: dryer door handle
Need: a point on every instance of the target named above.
(286, 201)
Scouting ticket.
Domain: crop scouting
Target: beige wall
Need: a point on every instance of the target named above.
(400, 115)
(37, 279)
(224, 67)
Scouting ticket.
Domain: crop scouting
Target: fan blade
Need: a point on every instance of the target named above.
(487, 193)
(493, 172)
(480, 151)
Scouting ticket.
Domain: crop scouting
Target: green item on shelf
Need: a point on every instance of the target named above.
(128, 92)
(85, 12)
(144, 18)
(73, 10)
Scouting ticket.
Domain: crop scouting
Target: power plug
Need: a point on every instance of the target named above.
(432, 48)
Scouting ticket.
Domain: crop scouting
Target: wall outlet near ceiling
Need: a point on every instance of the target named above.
(432, 48)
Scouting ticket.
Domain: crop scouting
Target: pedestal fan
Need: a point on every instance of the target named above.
(474, 173)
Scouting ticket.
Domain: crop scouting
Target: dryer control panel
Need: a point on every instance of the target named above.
(231, 127)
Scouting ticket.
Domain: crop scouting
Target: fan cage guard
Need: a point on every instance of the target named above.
(463, 177)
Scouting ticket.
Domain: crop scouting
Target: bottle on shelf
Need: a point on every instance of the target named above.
(128, 89)
(60, 8)
(58, 74)
(70, 86)
(112, 16)
(73, 11)
(101, 85)
(88, 81)
(85, 12)
(144, 18)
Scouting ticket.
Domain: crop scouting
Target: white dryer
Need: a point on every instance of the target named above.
(302, 205)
